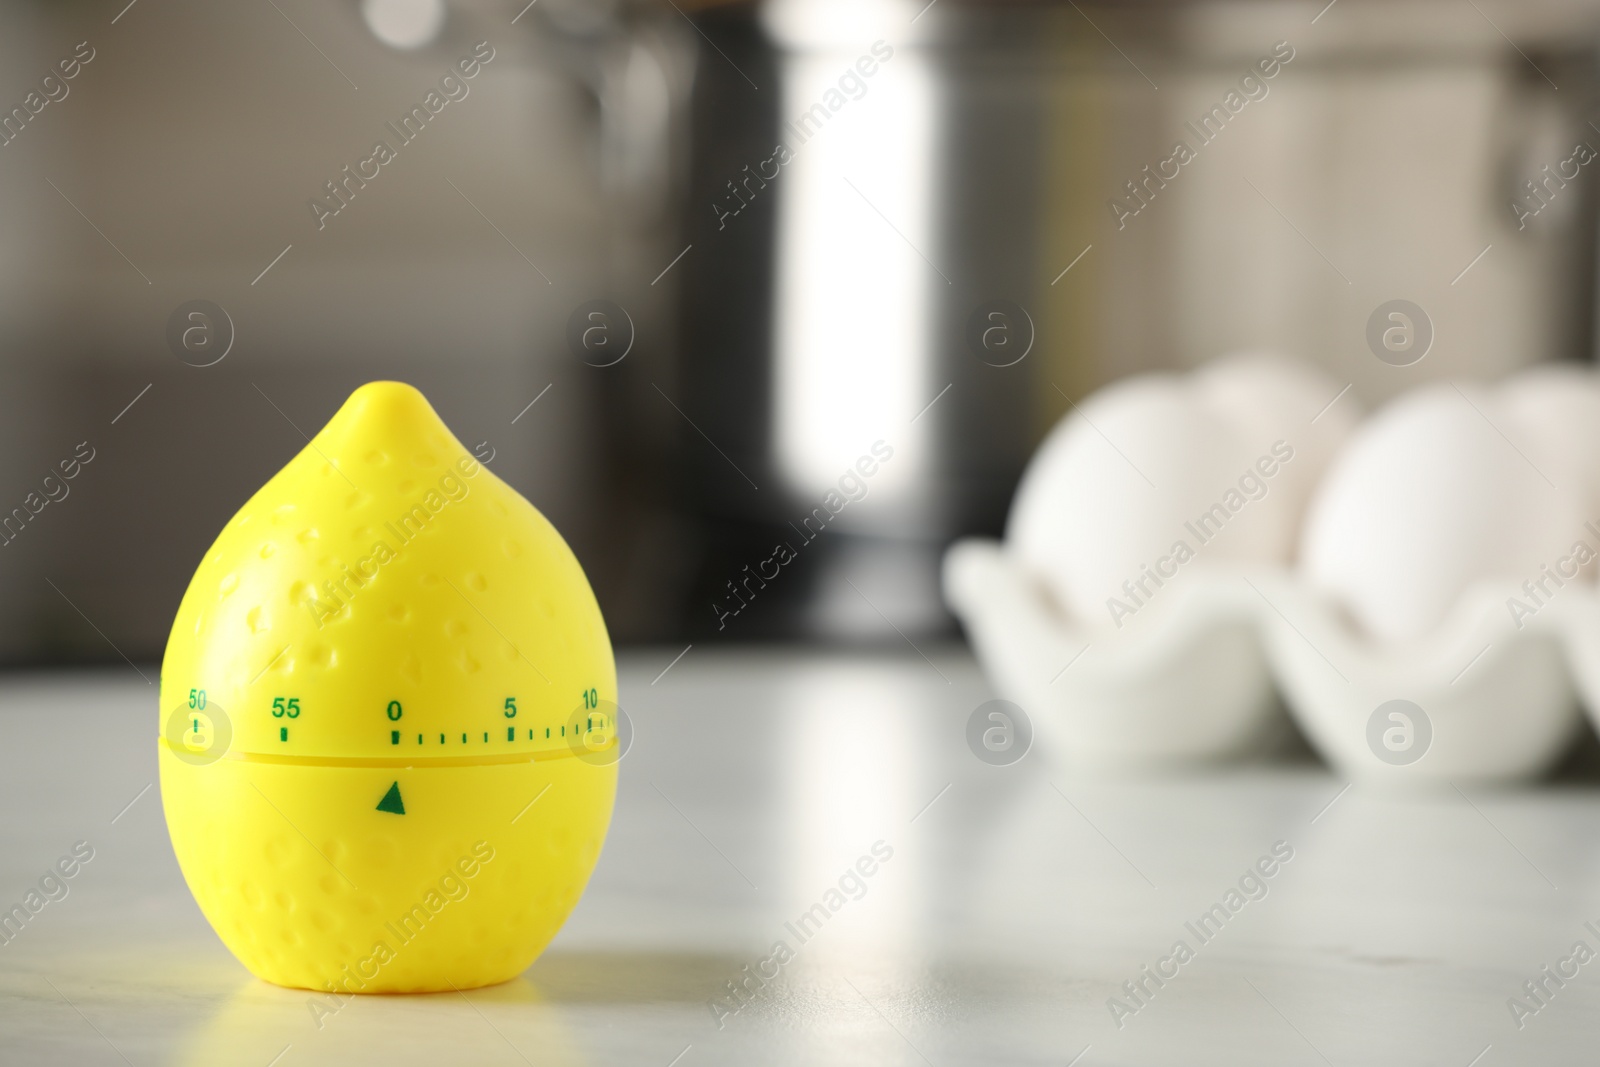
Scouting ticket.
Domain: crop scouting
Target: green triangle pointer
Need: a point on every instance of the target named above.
(391, 801)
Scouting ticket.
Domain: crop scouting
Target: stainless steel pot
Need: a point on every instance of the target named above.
(938, 225)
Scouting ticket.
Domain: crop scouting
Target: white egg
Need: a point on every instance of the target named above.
(1119, 484)
(1428, 497)
(1270, 398)
(1554, 411)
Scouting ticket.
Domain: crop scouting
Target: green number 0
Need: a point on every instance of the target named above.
(394, 710)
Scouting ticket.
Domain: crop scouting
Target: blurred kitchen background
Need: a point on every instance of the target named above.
(936, 267)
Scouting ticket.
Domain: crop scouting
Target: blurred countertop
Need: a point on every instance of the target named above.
(1017, 900)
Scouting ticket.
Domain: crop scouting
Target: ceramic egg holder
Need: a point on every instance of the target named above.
(1195, 685)
(1499, 700)
(1190, 684)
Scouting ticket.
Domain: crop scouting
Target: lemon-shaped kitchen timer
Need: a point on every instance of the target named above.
(388, 751)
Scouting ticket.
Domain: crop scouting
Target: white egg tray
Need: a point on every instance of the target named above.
(1194, 682)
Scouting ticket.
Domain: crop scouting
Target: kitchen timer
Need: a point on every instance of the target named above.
(388, 756)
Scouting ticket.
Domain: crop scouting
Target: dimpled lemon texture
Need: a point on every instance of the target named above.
(387, 705)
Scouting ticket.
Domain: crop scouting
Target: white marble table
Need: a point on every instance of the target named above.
(1015, 903)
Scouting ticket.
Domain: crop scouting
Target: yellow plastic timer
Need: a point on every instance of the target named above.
(388, 755)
